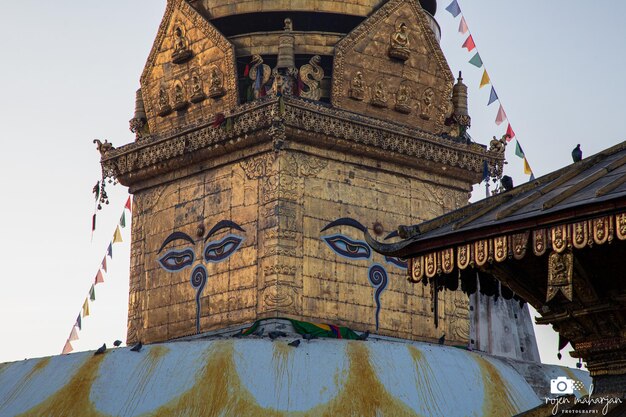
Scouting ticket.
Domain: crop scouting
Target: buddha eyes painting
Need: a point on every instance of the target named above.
(360, 250)
(212, 251)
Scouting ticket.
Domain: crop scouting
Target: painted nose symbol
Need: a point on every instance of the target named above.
(199, 277)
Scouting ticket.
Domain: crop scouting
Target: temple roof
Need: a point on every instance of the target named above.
(255, 376)
(591, 187)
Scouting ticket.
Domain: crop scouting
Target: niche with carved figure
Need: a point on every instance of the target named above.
(181, 53)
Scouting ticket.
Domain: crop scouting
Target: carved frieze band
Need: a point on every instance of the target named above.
(306, 116)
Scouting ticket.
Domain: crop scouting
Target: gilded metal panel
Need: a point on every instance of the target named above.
(560, 238)
(500, 248)
(464, 256)
(602, 228)
(519, 243)
(620, 226)
(560, 273)
(481, 252)
(539, 242)
(580, 234)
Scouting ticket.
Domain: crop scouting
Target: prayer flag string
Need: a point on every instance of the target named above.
(99, 279)
(477, 61)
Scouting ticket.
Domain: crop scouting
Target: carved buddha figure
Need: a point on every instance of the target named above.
(217, 83)
(403, 97)
(357, 87)
(379, 97)
(197, 92)
(427, 103)
(399, 47)
(164, 102)
(181, 52)
(180, 103)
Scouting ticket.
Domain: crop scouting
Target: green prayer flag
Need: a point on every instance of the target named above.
(123, 220)
(229, 124)
(518, 150)
(92, 293)
(476, 61)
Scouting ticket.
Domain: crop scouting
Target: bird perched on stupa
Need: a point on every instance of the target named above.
(507, 182)
(577, 154)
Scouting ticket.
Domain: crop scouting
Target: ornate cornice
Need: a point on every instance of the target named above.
(156, 156)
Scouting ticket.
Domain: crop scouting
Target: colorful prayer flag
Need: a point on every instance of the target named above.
(527, 169)
(103, 265)
(518, 150)
(99, 278)
(501, 117)
(532, 177)
(485, 171)
(79, 323)
(469, 43)
(67, 348)
(110, 250)
(128, 205)
(463, 26)
(92, 293)
(86, 308)
(73, 334)
(476, 61)
(509, 133)
(117, 236)
(454, 8)
(123, 220)
(493, 96)
(485, 80)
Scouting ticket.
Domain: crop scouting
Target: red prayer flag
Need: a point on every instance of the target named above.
(509, 133)
(104, 263)
(469, 43)
(128, 204)
(246, 71)
(99, 277)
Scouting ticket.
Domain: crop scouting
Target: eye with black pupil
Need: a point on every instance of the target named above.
(352, 248)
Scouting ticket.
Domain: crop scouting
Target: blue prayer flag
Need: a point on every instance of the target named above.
(454, 8)
(493, 96)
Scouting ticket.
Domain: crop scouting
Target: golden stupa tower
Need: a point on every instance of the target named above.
(269, 135)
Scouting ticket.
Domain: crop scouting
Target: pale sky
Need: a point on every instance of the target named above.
(69, 72)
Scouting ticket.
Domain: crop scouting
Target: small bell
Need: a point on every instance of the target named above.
(579, 364)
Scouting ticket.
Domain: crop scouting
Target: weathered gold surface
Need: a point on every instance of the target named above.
(171, 87)
(264, 43)
(283, 267)
(395, 47)
(221, 8)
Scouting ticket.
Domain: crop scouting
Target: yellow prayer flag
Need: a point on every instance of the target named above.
(485, 80)
(527, 169)
(86, 308)
(117, 236)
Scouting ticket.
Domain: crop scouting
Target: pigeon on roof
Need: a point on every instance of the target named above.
(577, 154)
